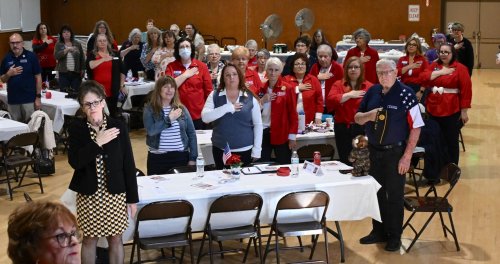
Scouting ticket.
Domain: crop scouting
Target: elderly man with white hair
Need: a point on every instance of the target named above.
(392, 122)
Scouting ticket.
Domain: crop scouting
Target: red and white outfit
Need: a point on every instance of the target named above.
(195, 90)
(335, 69)
(309, 101)
(344, 112)
(370, 66)
(252, 78)
(412, 76)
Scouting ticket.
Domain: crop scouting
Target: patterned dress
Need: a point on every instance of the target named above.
(102, 213)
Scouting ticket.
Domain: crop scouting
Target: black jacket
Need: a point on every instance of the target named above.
(118, 158)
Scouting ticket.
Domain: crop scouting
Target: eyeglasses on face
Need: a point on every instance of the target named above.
(64, 239)
(303, 64)
(89, 105)
(412, 45)
(444, 52)
(15, 42)
(384, 73)
(213, 54)
(353, 68)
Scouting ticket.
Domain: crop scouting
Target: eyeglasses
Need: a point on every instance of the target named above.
(353, 68)
(412, 45)
(384, 73)
(213, 54)
(301, 45)
(444, 52)
(15, 42)
(64, 239)
(89, 105)
(299, 65)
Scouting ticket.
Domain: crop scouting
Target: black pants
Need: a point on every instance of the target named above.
(384, 168)
(282, 152)
(112, 107)
(246, 157)
(199, 125)
(47, 74)
(162, 163)
(150, 74)
(344, 134)
(69, 81)
(450, 128)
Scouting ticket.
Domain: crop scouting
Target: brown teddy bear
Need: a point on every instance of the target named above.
(360, 156)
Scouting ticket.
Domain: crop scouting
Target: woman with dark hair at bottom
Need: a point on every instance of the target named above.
(104, 179)
(171, 137)
(43, 233)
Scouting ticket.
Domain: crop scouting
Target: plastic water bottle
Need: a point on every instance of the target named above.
(200, 166)
(295, 164)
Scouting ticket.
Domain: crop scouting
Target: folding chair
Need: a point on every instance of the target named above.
(139, 173)
(16, 158)
(432, 203)
(415, 169)
(229, 204)
(164, 210)
(307, 152)
(297, 201)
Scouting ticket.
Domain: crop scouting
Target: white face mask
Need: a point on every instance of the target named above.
(185, 53)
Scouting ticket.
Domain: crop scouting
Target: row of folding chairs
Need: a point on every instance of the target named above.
(224, 206)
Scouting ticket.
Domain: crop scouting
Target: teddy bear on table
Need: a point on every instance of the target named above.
(360, 156)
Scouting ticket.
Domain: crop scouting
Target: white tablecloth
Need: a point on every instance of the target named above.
(226, 55)
(55, 107)
(205, 142)
(10, 128)
(136, 89)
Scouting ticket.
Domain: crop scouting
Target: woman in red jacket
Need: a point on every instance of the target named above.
(449, 97)
(43, 45)
(279, 115)
(411, 65)
(344, 98)
(368, 55)
(307, 88)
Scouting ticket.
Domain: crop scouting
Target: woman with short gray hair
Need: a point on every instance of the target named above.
(252, 47)
(130, 52)
(369, 56)
(262, 56)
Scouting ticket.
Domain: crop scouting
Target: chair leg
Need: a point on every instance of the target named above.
(220, 248)
(408, 221)
(248, 248)
(8, 183)
(341, 242)
(191, 247)
(210, 251)
(182, 254)
(132, 254)
(314, 242)
(268, 244)
(300, 244)
(276, 247)
(461, 139)
(325, 232)
(420, 232)
(442, 224)
(259, 237)
(40, 181)
(201, 248)
(454, 234)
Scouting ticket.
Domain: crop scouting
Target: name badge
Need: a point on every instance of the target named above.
(404, 62)
(23, 61)
(280, 93)
(177, 73)
(116, 58)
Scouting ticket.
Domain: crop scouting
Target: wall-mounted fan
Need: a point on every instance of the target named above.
(304, 20)
(271, 28)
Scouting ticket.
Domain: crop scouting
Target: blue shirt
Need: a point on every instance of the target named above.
(397, 101)
(21, 88)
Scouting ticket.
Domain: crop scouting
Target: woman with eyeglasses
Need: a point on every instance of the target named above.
(240, 57)
(104, 178)
(450, 95)
(171, 137)
(101, 27)
(411, 65)
(214, 64)
(307, 88)
(344, 99)
(43, 233)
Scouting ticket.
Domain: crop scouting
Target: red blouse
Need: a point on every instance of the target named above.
(413, 75)
(370, 69)
(312, 99)
(344, 112)
(46, 55)
(102, 75)
(336, 70)
(253, 79)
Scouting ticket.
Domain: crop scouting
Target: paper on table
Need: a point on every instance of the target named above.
(334, 166)
(205, 186)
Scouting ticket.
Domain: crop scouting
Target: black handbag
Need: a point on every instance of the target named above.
(44, 163)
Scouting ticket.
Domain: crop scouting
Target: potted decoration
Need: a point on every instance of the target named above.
(235, 163)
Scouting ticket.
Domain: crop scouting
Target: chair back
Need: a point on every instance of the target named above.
(307, 152)
(166, 210)
(236, 202)
(139, 173)
(450, 173)
(304, 199)
(22, 140)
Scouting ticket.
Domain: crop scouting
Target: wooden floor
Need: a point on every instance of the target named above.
(476, 214)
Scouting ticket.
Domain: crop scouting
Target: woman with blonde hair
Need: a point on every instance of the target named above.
(148, 50)
(171, 137)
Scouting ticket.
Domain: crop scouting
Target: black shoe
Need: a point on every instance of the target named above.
(372, 238)
(393, 245)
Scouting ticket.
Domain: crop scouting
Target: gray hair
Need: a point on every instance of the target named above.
(264, 53)
(251, 43)
(213, 46)
(274, 61)
(458, 26)
(134, 32)
(326, 48)
(386, 62)
(363, 33)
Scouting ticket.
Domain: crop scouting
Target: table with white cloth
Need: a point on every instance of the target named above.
(10, 128)
(226, 55)
(55, 107)
(390, 55)
(136, 88)
(204, 138)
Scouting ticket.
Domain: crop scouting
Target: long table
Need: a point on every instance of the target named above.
(135, 88)
(204, 138)
(10, 128)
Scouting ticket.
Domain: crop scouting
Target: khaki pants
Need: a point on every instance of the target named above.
(21, 112)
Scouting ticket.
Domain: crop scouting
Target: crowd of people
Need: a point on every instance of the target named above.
(251, 102)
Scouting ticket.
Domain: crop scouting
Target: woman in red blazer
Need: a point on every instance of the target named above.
(307, 88)
(411, 65)
(279, 114)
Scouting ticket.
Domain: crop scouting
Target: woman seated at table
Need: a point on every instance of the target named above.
(130, 52)
(262, 56)
(450, 96)
(101, 27)
(43, 232)
(240, 57)
(105, 67)
(43, 45)
(149, 49)
(307, 88)
(70, 60)
(411, 65)
(279, 115)
(214, 64)
(235, 113)
(171, 137)
(164, 55)
(368, 55)
(344, 99)
(192, 78)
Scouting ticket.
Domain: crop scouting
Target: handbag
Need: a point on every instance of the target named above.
(44, 161)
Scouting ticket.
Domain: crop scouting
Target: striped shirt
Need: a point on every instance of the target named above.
(70, 62)
(170, 138)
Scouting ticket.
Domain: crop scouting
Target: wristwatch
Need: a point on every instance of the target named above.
(38, 95)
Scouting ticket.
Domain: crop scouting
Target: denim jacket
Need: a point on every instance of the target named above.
(155, 123)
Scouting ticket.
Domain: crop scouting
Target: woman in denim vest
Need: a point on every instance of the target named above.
(171, 137)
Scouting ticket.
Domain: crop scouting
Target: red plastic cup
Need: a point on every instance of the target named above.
(48, 95)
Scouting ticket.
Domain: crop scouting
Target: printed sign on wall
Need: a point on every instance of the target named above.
(413, 13)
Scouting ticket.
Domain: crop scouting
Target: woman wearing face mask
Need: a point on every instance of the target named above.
(192, 78)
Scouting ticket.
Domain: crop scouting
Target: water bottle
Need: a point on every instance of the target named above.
(200, 166)
(295, 164)
(130, 77)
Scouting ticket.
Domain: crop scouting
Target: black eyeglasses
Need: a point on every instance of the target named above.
(353, 68)
(64, 239)
(444, 52)
(95, 103)
(299, 65)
